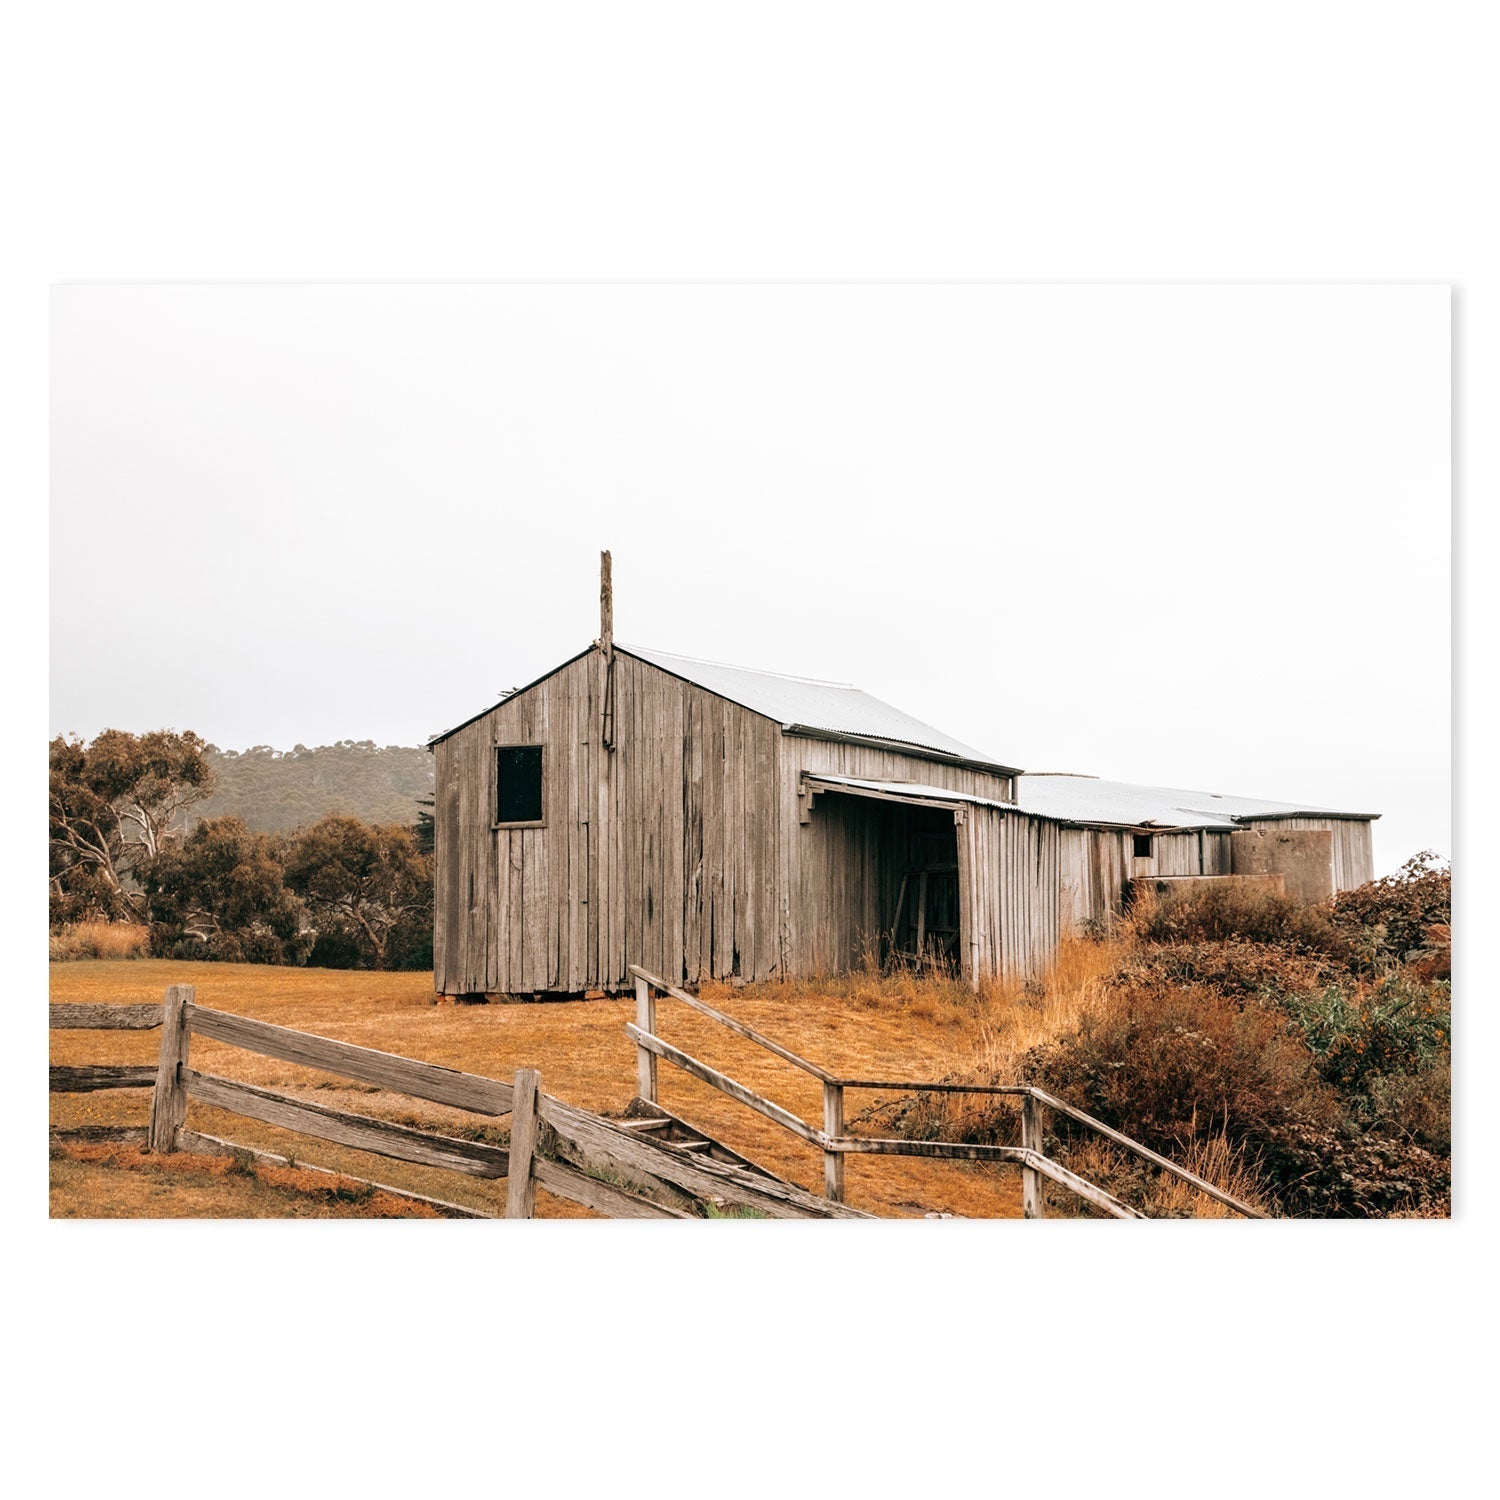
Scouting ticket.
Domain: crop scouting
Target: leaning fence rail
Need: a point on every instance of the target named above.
(836, 1145)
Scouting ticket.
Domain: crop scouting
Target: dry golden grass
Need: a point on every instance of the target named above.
(863, 1025)
(1165, 1196)
(123, 1182)
(80, 940)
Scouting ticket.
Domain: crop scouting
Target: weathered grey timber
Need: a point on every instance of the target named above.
(652, 981)
(578, 1187)
(62, 1079)
(361, 1132)
(682, 1182)
(520, 1192)
(1081, 1188)
(402, 1075)
(103, 1017)
(712, 822)
(645, 1018)
(89, 1134)
(1031, 1138)
(1115, 832)
(866, 1145)
(678, 833)
(168, 1099)
(660, 1127)
(833, 1127)
(724, 1083)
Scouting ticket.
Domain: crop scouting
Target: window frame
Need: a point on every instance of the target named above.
(1135, 845)
(540, 822)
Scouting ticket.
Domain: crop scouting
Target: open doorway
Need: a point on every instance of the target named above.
(925, 921)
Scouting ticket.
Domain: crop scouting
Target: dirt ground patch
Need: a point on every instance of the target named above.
(124, 1182)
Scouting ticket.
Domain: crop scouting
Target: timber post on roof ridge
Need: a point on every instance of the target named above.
(607, 646)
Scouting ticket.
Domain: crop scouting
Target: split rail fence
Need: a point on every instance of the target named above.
(836, 1146)
(569, 1152)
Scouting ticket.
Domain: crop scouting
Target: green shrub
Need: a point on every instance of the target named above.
(1396, 915)
(1398, 1027)
(1317, 1123)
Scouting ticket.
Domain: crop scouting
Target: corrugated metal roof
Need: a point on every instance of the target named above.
(1087, 799)
(831, 708)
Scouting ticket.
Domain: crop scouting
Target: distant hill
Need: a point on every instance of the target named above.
(275, 791)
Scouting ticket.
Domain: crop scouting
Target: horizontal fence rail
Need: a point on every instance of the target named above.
(103, 1017)
(387, 1070)
(62, 1079)
(836, 1145)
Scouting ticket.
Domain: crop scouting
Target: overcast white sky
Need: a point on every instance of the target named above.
(1195, 535)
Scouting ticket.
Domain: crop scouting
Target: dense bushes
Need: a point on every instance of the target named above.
(341, 894)
(1171, 1065)
(220, 894)
(1397, 918)
(1234, 967)
(1305, 1049)
(1397, 1026)
(367, 887)
(1219, 913)
(1316, 1039)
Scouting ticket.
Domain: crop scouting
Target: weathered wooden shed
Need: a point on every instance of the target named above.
(707, 821)
(1113, 832)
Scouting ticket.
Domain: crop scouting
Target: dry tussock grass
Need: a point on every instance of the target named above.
(80, 940)
(1158, 1194)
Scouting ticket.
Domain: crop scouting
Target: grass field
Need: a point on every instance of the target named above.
(860, 1026)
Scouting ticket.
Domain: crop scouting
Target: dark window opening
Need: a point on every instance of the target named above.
(1143, 846)
(519, 778)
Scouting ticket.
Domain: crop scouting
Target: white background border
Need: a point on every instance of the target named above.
(1149, 142)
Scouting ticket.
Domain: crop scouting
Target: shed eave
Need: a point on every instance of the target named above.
(915, 794)
(1306, 812)
(904, 747)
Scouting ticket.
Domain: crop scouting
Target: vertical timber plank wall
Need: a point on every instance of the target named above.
(1097, 862)
(1014, 878)
(662, 853)
(831, 871)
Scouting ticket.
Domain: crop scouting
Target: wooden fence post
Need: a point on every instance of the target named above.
(645, 1062)
(833, 1125)
(520, 1188)
(169, 1098)
(1031, 1139)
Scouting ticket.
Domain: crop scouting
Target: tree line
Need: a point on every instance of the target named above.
(124, 846)
(280, 791)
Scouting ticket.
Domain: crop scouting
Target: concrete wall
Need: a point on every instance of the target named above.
(1353, 851)
(1303, 857)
